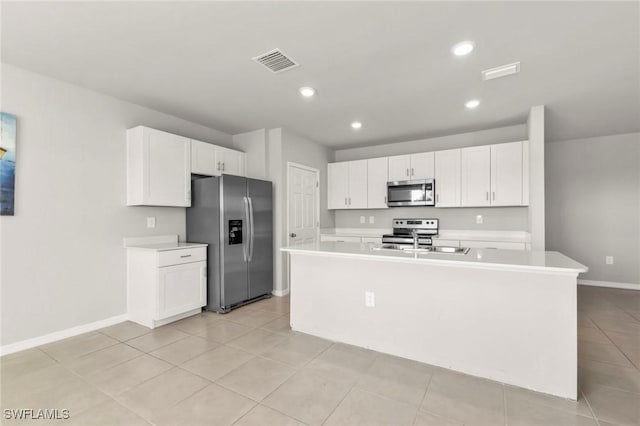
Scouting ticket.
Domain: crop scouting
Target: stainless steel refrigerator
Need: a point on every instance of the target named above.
(234, 215)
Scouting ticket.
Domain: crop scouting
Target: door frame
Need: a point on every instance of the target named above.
(291, 164)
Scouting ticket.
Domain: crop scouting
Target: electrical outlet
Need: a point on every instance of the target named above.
(369, 299)
(151, 222)
(362, 219)
(479, 219)
(608, 260)
(372, 219)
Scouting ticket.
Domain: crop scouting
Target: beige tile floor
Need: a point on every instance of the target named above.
(249, 368)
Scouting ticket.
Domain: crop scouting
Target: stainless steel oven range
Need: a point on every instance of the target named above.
(412, 232)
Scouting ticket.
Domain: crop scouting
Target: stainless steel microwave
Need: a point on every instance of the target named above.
(411, 193)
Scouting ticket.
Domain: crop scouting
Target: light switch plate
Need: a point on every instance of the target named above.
(608, 260)
(151, 222)
(362, 219)
(479, 219)
(369, 299)
(372, 219)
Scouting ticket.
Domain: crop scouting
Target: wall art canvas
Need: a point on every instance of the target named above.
(8, 127)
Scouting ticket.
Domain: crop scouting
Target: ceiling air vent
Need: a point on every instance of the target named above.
(276, 61)
(501, 71)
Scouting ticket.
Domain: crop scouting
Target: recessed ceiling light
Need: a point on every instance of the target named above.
(307, 92)
(356, 125)
(472, 103)
(462, 48)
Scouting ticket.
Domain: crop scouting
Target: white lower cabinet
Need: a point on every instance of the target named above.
(164, 286)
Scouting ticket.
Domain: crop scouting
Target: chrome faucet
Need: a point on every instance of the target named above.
(416, 239)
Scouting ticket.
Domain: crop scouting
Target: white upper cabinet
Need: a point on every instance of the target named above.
(347, 185)
(358, 184)
(411, 167)
(507, 174)
(377, 179)
(158, 168)
(475, 176)
(422, 166)
(338, 186)
(212, 160)
(203, 158)
(447, 164)
(231, 161)
(399, 168)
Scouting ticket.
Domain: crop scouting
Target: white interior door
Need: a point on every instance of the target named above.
(303, 205)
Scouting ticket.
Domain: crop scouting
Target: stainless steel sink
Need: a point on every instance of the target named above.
(452, 250)
(390, 247)
(429, 249)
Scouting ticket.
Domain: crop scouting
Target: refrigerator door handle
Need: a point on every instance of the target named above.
(251, 234)
(245, 243)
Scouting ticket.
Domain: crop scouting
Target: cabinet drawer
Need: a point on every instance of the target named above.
(186, 255)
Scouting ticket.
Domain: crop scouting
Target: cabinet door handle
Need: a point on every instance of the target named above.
(412, 171)
(185, 255)
(385, 199)
(437, 197)
(494, 195)
(223, 166)
(345, 201)
(487, 195)
(218, 166)
(407, 171)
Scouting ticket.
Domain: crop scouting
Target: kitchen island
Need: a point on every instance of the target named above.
(505, 315)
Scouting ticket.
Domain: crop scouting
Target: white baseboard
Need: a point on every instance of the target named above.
(59, 335)
(280, 293)
(610, 284)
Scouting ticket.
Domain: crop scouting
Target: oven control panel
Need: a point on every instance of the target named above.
(416, 223)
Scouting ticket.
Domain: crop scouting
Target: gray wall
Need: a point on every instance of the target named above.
(495, 218)
(593, 204)
(461, 140)
(63, 264)
(297, 149)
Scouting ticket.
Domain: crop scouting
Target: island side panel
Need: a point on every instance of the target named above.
(515, 327)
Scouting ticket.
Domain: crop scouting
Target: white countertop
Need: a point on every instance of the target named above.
(445, 234)
(165, 246)
(533, 261)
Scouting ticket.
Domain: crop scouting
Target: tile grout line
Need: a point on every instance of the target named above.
(504, 404)
(612, 343)
(593, 413)
(424, 394)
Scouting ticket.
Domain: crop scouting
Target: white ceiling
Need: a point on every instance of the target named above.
(387, 64)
